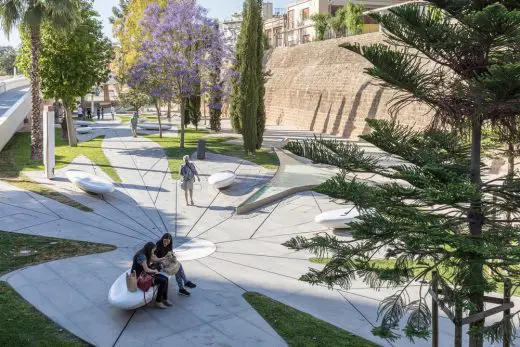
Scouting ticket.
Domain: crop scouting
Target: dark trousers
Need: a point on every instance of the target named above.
(162, 287)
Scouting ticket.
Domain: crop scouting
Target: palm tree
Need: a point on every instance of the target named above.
(29, 15)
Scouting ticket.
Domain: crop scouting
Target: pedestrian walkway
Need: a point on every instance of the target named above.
(249, 254)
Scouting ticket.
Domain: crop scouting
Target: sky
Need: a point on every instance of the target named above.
(220, 9)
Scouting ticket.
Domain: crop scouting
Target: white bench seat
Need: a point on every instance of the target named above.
(222, 179)
(338, 219)
(89, 182)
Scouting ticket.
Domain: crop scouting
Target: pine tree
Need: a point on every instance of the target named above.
(435, 211)
(245, 105)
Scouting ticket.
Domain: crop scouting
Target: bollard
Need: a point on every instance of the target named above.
(201, 150)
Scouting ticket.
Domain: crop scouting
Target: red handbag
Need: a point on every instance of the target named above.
(144, 281)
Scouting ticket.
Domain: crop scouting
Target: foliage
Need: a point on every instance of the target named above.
(336, 23)
(30, 15)
(301, 329)
(247, 111)
(176, 52)
(135, 98)
(353, 18)
(128, 31)
(321, 24)
(7, 59)
(435, 208)
(71, 63)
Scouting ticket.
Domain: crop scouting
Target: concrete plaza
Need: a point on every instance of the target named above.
(249, 254)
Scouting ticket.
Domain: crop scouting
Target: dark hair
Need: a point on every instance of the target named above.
(161, 251)
(147, 251)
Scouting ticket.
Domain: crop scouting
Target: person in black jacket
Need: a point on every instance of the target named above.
(142, 261)
(165, 246)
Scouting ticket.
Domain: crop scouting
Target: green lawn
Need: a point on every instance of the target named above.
(217, 145)
(301, 329)
(22, 324)
(126, 119)
(16, 156)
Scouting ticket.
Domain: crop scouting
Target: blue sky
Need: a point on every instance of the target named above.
(217, 8)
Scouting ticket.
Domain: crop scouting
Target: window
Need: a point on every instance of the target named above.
(305, 14)
(290, 16)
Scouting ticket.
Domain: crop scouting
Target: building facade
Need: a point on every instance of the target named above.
(294, 25)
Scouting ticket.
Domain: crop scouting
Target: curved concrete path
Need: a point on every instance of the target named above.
(249, 255)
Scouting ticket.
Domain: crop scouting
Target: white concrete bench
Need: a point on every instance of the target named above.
(120, 297)
(83, 123)
(84, 130)
(90, 183)
(338, 219)
(222, 179)
(153, 126)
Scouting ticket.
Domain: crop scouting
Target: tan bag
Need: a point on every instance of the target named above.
(172, 265)
(131, 282)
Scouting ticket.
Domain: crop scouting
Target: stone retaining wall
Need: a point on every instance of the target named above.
(323, 88)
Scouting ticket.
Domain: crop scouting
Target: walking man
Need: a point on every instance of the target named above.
(113, 111)
(133, 122)
(98, 112)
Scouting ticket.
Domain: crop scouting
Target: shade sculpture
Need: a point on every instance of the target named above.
(338, 219)
(153, 126)
(222, 179)
(90, 183)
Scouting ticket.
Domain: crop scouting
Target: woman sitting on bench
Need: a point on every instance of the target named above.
(142, 262)
(164, 250)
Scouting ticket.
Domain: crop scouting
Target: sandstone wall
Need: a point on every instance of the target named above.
(323, 88)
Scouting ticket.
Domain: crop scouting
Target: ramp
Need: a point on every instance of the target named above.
(15, 104)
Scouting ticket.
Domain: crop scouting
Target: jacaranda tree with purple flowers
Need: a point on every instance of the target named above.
(178, 51)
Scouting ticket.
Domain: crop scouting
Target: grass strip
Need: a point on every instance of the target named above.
(16, 155)
(26, 184)
(22, 324)
(301, 329)
(217, 145)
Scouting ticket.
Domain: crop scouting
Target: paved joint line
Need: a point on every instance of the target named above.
(132, 218)
(316, 201)
(144, 183)
(362, 315)
(39, 202)
(107, 230)
(124, 328)
(138, 206)
(261, 255)
(24, 209)
(216, 225)
(159, 191)
(218, 273)
(266, 218)
(211, 203)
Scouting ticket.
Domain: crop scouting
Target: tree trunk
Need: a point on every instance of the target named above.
(476, 221)
(71, 130)
(36, 111)
(169, 114)
(205, 116)
(158, 108)
(182, 124)
(510, 169)
(64, 133)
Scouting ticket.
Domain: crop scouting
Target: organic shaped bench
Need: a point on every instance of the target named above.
(90, 183)
(83, 123)
(120, 297)
(84, 130)
(338, 219)
(153, 126)
(222, 179)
